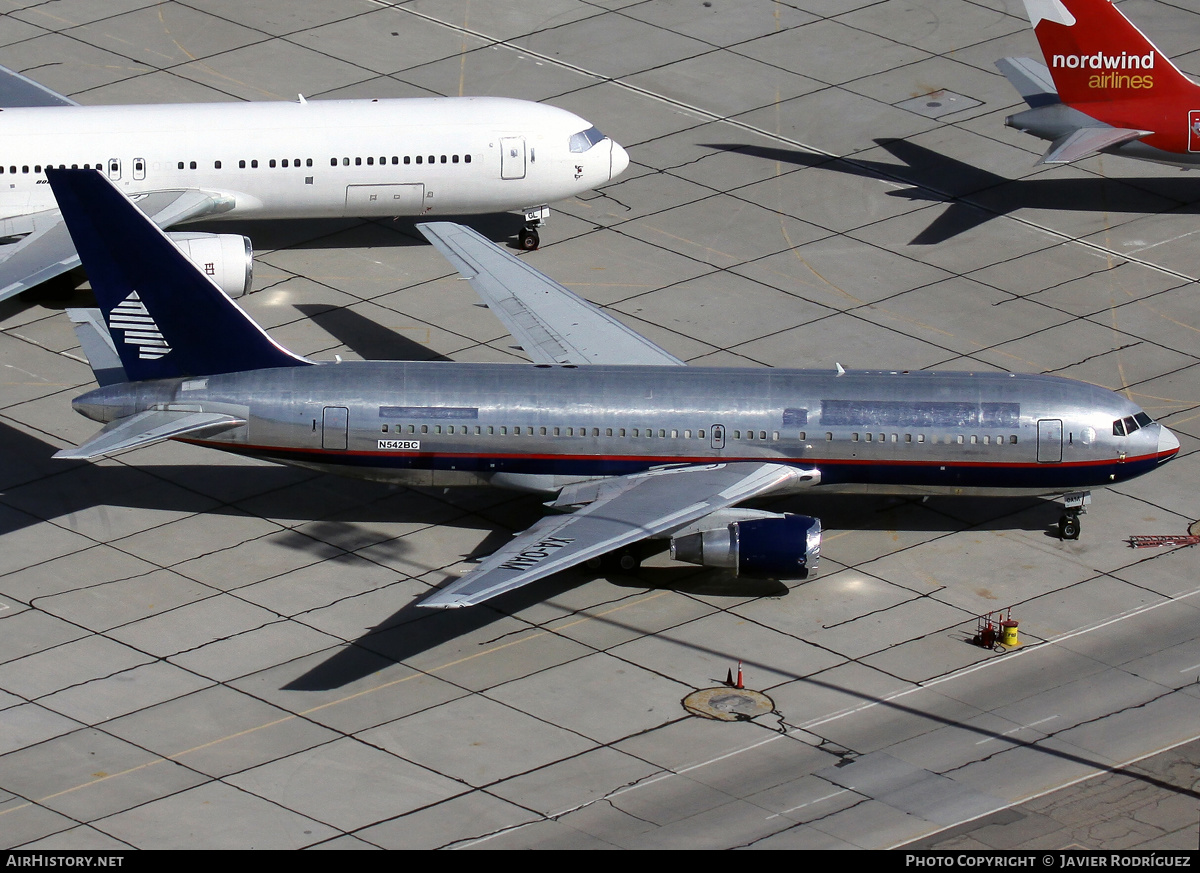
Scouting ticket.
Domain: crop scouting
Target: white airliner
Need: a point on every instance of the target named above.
(308, 159)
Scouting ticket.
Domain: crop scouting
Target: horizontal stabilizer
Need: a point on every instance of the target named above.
(1088, 141)
(98, 346)
(1031, 79)
(552, 324)
(147, 428)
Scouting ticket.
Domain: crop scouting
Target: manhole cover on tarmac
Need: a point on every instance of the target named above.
(728, 704)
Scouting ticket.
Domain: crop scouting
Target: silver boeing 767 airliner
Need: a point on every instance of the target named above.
(630, 443)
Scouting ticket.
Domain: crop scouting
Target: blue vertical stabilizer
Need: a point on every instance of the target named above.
(167, 319)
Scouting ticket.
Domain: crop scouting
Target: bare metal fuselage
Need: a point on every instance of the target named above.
(541, 427)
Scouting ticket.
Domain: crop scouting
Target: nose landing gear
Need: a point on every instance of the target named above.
(535, 217)
(1075, 505)
(528, 239)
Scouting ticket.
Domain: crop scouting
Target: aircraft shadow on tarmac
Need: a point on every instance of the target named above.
(412, 630)
(976, 196)
(35, 487)
(368, 339)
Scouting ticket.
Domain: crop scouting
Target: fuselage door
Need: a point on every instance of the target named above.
(114, 168)
(718, 437)
(334, 426)
(139, 169)
(1049, 449)
(512, 157)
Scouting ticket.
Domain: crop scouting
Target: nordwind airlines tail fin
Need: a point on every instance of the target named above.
(166, 318)
(1095, 54)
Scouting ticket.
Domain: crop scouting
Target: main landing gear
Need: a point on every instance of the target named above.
(1075, 505)
(535, 217)
(625, 560)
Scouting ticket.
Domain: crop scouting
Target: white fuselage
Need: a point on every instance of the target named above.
(323, 158)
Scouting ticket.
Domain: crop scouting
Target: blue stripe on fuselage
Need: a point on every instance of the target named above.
(1056, 476)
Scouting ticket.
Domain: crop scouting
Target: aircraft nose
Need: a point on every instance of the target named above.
(618, 162)
(1168, 443)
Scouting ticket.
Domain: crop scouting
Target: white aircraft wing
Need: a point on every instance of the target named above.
(1088, 141)
(17, 91)
(622, 510)
(147, 428)
(552, 324)
(44, 249)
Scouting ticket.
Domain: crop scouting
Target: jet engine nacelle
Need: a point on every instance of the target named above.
(780, 546)
(226, 258)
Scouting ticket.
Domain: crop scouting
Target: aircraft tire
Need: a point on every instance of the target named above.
(1068, 527)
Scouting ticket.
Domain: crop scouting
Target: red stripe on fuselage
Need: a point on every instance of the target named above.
(666, 459)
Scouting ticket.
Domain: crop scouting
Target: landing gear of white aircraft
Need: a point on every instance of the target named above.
(1075, 505)
(535, 217)
(528, 239)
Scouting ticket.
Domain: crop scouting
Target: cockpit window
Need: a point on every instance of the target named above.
(1126, 426)
(585, 139)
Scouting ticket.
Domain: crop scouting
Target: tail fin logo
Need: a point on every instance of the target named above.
(137, 327)
(1101, 61)
(1112, 66)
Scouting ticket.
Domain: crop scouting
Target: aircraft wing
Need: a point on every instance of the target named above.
(552, 324)
(147, 428)
(619, 511)
(46, 250)
(1088, 141)
(16, 91)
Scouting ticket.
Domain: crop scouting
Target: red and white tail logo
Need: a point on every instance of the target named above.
(1095, 54)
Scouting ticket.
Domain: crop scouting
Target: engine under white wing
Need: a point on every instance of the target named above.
(47, 251)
